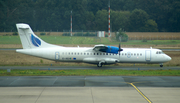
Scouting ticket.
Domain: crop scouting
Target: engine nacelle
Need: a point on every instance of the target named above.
(112, 49)
(104, 60)
(111, 60)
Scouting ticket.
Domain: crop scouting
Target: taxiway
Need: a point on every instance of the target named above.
(89, 89)
(88, 67)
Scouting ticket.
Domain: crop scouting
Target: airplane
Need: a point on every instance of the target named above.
(99, 54)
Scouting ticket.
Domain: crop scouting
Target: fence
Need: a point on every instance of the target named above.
(153, 35)
(80, 33)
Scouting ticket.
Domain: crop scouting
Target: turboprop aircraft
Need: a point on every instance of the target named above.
(99, 54)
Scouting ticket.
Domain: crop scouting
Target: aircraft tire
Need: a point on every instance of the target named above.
(99, 65)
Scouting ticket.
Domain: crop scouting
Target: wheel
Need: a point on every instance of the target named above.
(161, 65)
(99, 65)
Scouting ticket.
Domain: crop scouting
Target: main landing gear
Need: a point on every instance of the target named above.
(100, 64)
(161, 65)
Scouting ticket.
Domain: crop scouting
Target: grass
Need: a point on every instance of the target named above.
(98, 72)
(10, 40)
(86, 40)
(57, 40)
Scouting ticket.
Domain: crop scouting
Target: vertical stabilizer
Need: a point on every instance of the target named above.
(29, 39)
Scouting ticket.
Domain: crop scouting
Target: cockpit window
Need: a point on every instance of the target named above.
(159, 52)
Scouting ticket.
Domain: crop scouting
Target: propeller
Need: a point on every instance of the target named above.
(120, 49)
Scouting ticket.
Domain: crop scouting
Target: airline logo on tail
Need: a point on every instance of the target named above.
(35, 41)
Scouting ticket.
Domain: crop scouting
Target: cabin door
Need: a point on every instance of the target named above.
(57, 56)
(148, 55)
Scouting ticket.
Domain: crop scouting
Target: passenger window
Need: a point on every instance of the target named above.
(69, 53)
(134, 54)
(106, 53)
(125, 53)
(97, 53)
(84, 53)
(77, 53)
(138, 54)
(74, 53)
(94, 53)
(122, 53)
(62, 53)
(81, 53)
(87, 53)
(131, 54)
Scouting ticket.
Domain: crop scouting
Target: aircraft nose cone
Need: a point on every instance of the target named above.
(168, 58)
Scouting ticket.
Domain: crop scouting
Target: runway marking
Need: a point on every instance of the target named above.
(39, 95)
(55, 80)
(140, 92)
(14, 81)
(92, 95)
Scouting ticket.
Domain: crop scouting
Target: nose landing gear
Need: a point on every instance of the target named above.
(161, 65)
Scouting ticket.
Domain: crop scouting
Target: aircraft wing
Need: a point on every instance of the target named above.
(100, 47)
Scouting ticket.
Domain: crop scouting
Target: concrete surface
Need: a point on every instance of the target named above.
(162, 94)
(89, 89)
(88, 95)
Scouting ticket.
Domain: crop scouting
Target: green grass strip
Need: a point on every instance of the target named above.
(98, 72)
(87, 40)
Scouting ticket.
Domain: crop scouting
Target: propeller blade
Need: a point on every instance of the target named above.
(120, 48)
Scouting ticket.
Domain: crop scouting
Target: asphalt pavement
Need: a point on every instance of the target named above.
(89, 81)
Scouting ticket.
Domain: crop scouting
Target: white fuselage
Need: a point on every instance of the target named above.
(88, 55)
(99, 54)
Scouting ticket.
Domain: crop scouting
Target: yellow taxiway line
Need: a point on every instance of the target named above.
(140, 92)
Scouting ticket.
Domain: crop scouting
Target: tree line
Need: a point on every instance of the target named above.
(130, 15)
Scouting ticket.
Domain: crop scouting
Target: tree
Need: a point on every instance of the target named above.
(138, 19)
(131, 15)
(174, 17)
(90, 21)
(151, 26)
(101, 20)
(121, 36)
(119, 19)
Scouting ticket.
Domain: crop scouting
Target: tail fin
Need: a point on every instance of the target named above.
(29, 39)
